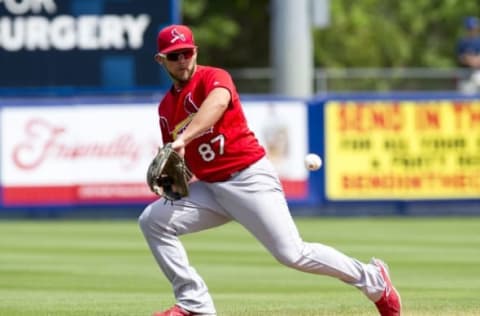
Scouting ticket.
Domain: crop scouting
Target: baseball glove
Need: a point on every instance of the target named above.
(168, 175)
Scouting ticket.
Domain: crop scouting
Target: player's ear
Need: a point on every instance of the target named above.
(158, 58)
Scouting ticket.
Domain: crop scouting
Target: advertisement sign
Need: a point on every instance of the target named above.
(99, 153)
(281, 127)
(405, 150)
(70, 154)
(77, 43)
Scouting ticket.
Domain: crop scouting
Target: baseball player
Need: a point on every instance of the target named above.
(201, 115)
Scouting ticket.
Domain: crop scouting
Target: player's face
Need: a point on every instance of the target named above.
(180, 64)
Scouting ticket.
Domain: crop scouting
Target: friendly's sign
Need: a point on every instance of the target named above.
(77, 154)
(98, 153)
(402, 150)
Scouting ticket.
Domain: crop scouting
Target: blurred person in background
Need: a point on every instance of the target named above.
(468, 55)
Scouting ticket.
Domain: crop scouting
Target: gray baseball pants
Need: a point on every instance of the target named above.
(254, 198)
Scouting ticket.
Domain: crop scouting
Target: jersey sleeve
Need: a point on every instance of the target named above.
(164, 126)
(216, 78)
(165, 136)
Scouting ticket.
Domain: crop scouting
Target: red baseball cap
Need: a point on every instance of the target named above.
(174, 37)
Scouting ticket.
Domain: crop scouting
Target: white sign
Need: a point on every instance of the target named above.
(90, 153)
(87, 144)
(281, 127)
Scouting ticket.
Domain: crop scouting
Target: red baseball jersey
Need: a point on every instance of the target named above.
(225, 148)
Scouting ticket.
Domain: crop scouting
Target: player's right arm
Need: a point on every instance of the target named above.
(211, 110)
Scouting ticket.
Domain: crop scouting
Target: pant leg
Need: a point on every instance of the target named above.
(255, 199)
(162, 223)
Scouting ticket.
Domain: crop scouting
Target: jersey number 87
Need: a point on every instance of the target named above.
(206, 150)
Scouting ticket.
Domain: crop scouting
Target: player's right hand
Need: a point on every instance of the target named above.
(179, 146)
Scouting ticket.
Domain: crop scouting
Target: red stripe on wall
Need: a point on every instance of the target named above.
(38, 195)
(105, 193)
(295, 189)
(108, 192)
(85, 193)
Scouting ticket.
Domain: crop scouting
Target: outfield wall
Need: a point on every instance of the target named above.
(383, 154)
(409, 153)
(87, 152)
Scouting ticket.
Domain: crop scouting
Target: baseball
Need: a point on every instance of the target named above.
(313, 162)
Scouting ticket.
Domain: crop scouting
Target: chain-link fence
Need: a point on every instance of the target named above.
(259, 80)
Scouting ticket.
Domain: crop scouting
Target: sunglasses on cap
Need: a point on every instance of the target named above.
(187, 54)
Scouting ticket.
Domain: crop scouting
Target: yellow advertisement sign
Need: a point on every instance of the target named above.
(402, 149)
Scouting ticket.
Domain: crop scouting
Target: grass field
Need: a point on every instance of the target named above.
(67, 268)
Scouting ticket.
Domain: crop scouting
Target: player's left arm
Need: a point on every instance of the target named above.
(211, 110)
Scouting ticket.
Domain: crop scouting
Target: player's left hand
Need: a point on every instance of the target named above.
(168, 175)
